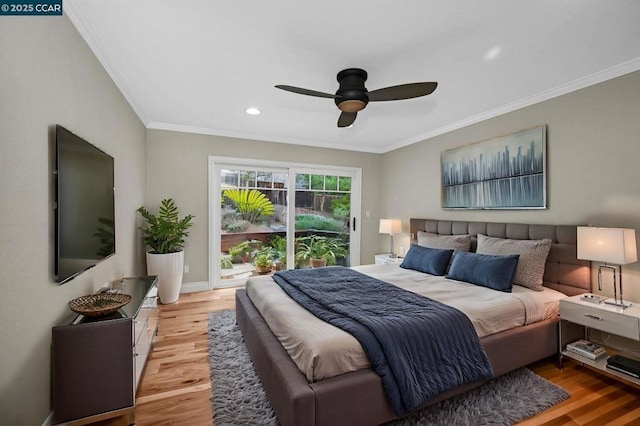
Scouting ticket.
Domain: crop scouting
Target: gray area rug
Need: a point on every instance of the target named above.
(238, 397)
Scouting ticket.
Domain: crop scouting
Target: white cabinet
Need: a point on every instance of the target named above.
(578, 316)
(612, 319)
(145, 325)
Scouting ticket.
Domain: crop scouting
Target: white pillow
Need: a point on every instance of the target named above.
(533, 256)
(452, 242)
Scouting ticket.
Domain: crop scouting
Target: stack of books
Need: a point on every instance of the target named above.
(624, 365)
(586, 349)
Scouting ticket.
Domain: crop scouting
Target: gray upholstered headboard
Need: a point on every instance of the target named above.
(563, 272)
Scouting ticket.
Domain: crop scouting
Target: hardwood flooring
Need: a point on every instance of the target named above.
(175, 388)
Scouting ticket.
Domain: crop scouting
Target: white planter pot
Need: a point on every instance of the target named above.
(168, 267)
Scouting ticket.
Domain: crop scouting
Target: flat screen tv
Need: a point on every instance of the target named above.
(85, 214)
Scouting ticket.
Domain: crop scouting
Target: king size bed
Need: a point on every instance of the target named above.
(316, 374)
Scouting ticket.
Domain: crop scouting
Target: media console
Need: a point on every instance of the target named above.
(98, 361)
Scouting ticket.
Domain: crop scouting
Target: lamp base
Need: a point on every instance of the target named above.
(619, 303)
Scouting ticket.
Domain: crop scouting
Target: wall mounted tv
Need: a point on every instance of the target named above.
(85, 214)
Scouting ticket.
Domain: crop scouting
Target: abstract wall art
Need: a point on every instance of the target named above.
(506, 172)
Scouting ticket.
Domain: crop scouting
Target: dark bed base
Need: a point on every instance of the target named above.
(358, 398)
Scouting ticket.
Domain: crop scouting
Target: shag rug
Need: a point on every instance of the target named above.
(238, 397)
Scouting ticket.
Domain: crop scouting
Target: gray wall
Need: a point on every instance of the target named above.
(593, 157)
(49, 76)
(178, 167)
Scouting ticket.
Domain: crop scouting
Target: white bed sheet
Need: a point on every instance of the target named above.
(321, 350)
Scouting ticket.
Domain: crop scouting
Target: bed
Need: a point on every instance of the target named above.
(357, 397)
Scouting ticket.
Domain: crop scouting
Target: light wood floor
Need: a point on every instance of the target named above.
(176, 390)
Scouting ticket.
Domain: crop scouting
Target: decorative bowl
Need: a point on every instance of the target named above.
(99, 304)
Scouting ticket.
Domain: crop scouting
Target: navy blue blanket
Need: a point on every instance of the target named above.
(419, 347)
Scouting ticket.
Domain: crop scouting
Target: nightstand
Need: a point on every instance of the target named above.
(578, 316)
(383, 258)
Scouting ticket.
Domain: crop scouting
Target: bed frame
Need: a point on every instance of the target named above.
(357, 398)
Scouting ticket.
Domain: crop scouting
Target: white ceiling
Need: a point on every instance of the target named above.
(196, 65)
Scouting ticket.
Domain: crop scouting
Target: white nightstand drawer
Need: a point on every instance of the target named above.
(601, 319)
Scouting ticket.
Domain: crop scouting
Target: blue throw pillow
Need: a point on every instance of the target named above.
(493, 271)
(429, 260)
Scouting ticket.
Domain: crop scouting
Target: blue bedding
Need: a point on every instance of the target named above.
(419, 347)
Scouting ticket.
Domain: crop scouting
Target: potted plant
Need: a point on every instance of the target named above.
(320, 251)
(263, 263)
(279, 245)
(164, 234)
(263, 259)
(225, 263)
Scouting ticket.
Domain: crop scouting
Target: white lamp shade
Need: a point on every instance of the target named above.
(390, 226)
(609, 245)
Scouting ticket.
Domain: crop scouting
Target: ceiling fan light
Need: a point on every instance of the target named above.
(351, 105)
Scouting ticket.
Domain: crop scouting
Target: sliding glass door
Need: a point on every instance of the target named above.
(252, 221)
(266, 216)
(322, 218)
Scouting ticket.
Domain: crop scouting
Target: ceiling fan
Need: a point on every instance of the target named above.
(352, 96)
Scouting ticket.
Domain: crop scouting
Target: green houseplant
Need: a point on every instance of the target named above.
(165, 234)
(320, 251)
(263, 262)
(279, 245)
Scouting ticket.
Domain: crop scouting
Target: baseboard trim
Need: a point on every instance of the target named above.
(194, 287)
(49, 420)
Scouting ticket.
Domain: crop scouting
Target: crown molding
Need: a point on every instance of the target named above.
(581, 83)
(82, 25)
(253, 136)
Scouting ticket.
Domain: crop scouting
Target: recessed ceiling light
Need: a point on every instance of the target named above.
(493, 53)
(253, 111)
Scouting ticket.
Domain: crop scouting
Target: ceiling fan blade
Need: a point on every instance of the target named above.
(402, 91)
(308, 92)
(347, 118)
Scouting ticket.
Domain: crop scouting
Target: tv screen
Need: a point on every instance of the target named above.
(85, 216)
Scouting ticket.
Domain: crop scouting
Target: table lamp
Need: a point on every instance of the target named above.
(391, 226)
(616, 246)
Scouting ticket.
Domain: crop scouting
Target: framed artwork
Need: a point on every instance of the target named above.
(506, 172)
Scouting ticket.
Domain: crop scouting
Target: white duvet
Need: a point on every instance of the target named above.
(321, 350)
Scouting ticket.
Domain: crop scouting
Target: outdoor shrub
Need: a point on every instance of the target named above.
(341, 207)
(229, 213)
(317, 222)
(238, 225)
(243, 251)
(251, 203)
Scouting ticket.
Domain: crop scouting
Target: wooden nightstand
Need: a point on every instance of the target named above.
(578, 316)
(383, 258)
